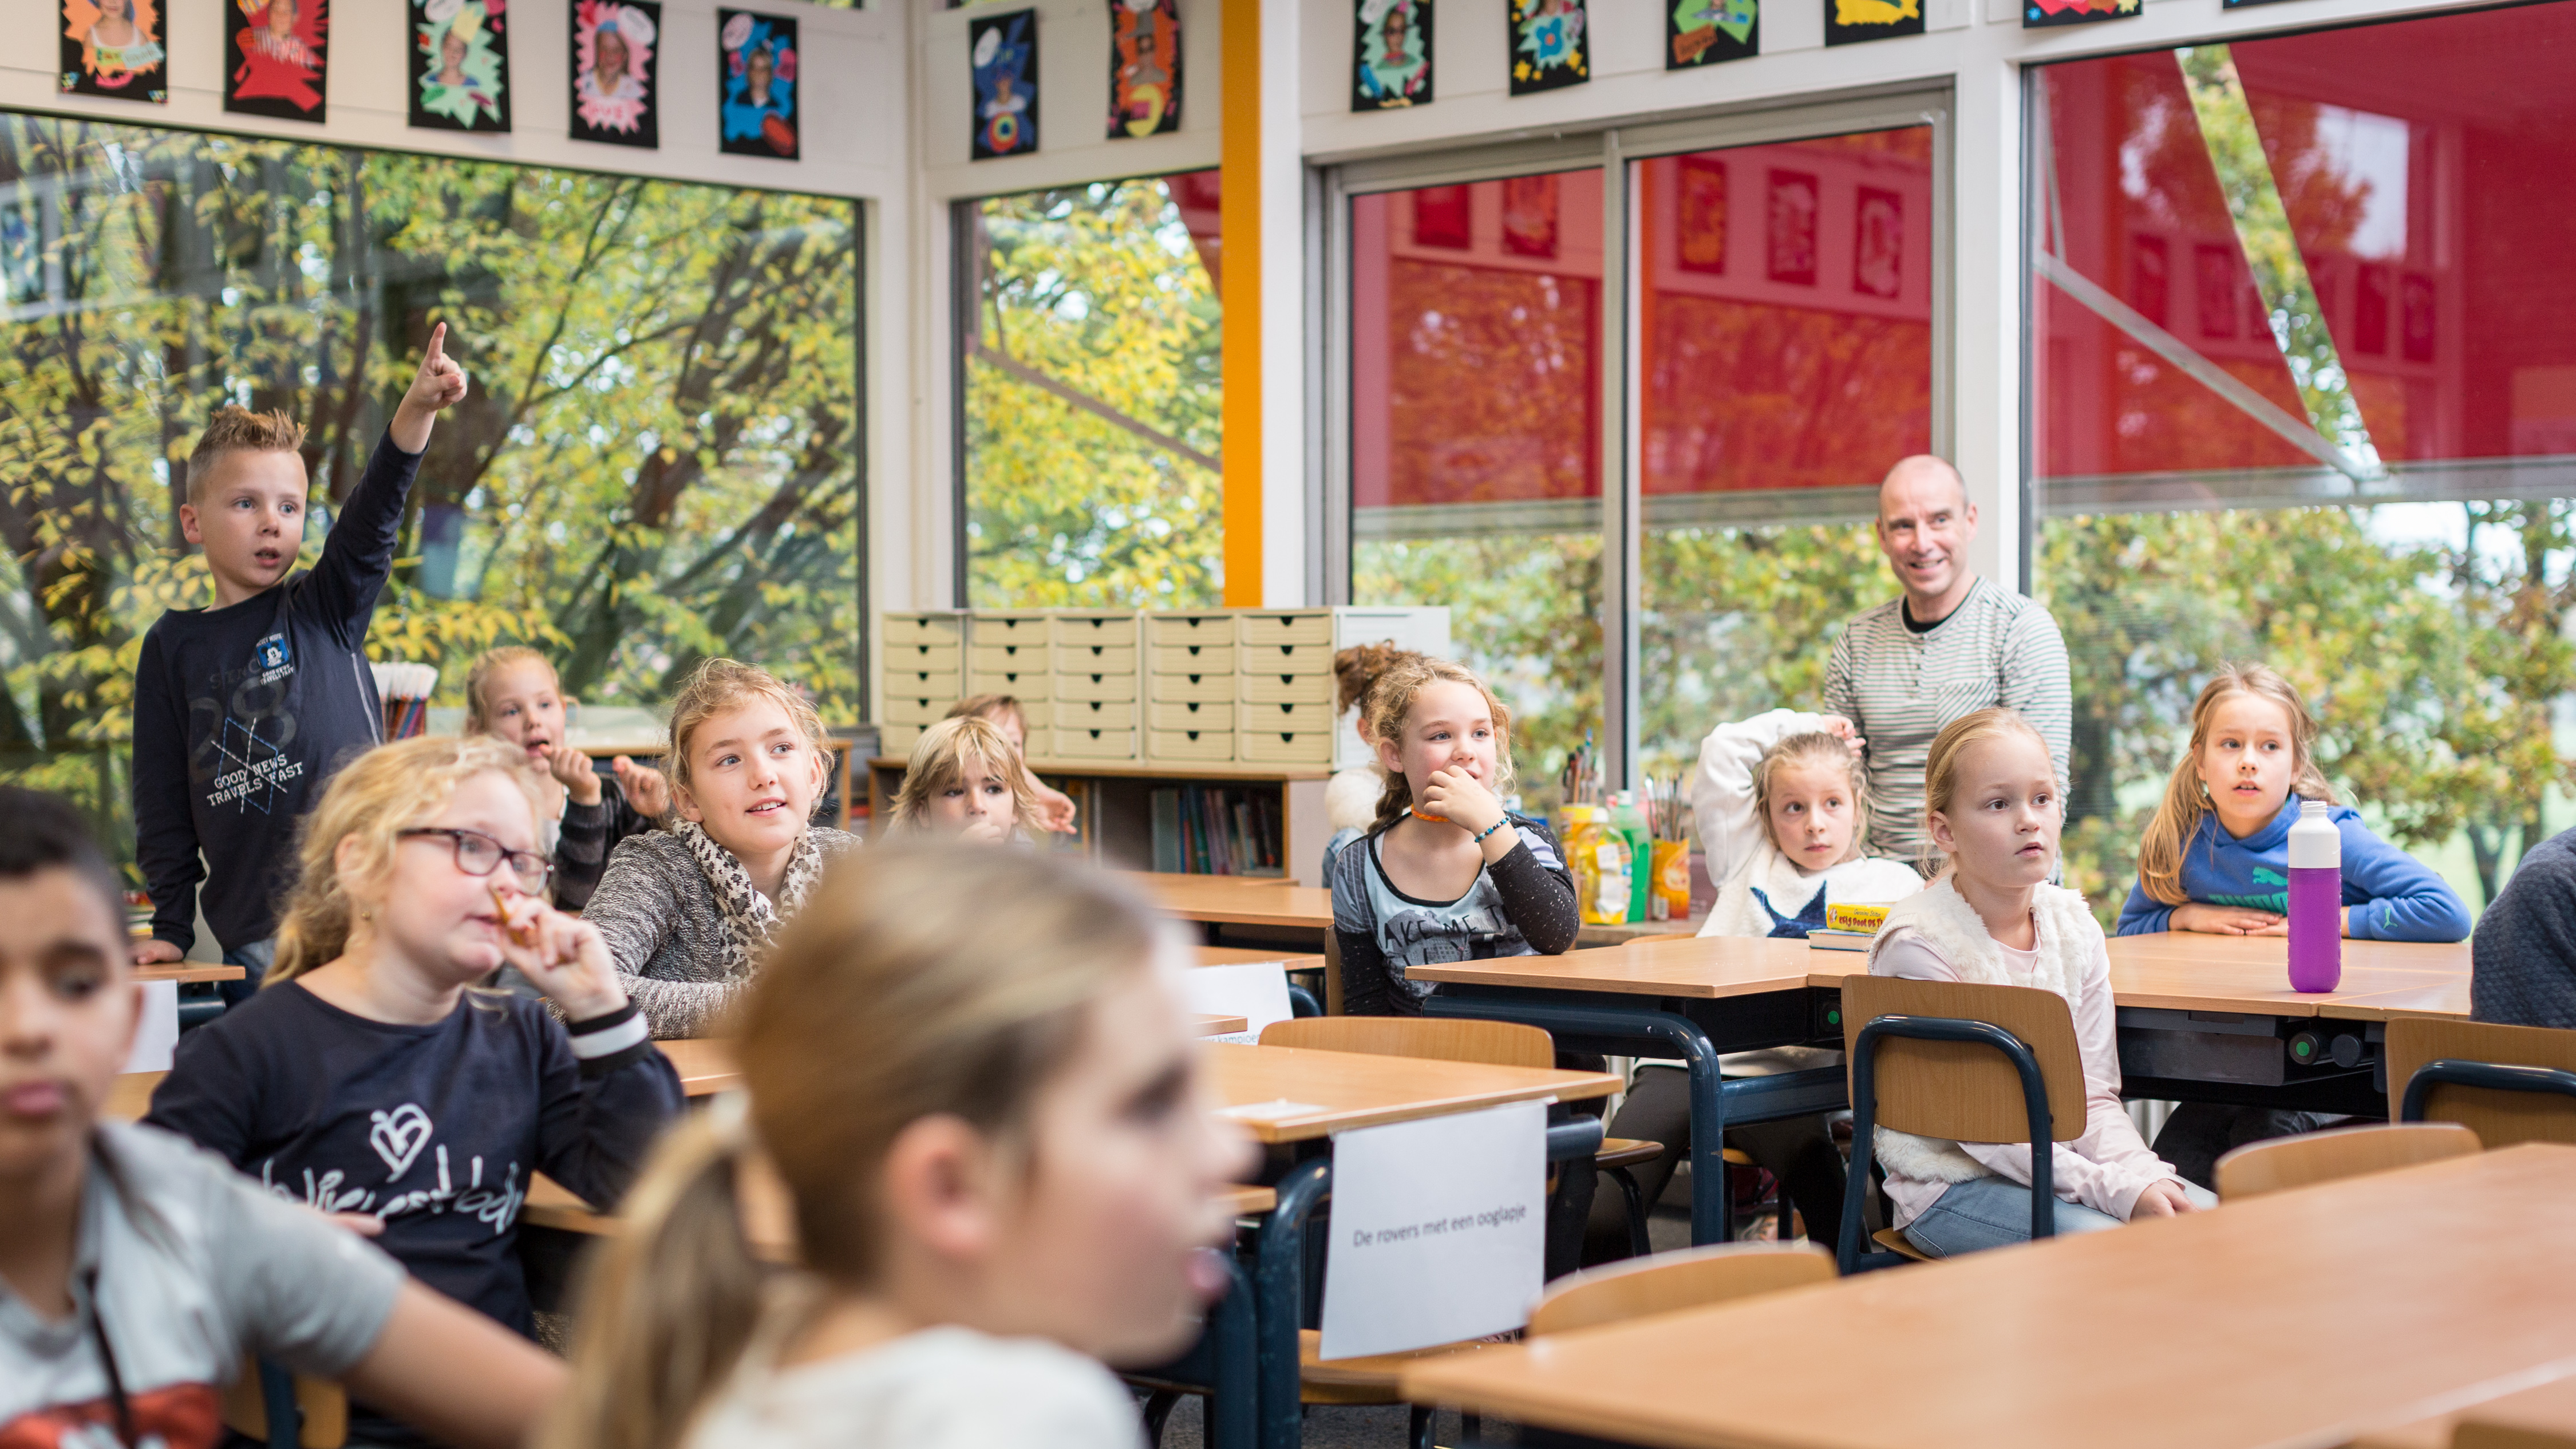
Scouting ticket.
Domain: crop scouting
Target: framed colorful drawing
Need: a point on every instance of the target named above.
(2038, 14)
(113, 48)
(1550, 48)
(616, 72)
(1390, 54)
(460, 65)
(1004, 52)
(756, 65)
(1144, 67)
(1850, 22)
(276, 57)
(1704, 32)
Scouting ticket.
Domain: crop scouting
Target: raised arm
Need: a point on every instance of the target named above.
(165, 832)
(1730, 830)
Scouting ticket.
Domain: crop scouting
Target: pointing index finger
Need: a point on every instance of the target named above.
(437, 351)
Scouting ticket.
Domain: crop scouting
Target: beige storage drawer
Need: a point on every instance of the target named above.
(1034, 683)
(1287, 689)
(1299, 716)
(1200, 715)
(897, 740)
(949, 629)
(1210, 658)
(1095, 659)
(925, 658)
(1016, 628)
(916, 710)
(1073, 744)
(1198, 747)
(1285, 659)
(947, 684)
(1037, 714)
(1096, 629)
(1096, 686)
(986, 657)
(1189, 687)
(1206, 629)
(1298, 628)
(1095, 714)
(1276, 747)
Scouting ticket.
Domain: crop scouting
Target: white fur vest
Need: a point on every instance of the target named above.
(1943, 920)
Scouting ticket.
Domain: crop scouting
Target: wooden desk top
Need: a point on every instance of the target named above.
(187, 971)
(1240, 900)
(2547, 1408)
(1247, 955)
(550, 1204)
(1326, 1092)
(1221, 1025)
(1700, 966)
(2251, 975)
(2279, 1320)
(705, 1067)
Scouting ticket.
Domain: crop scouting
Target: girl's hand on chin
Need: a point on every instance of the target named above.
(1461, 799)
(564, 957)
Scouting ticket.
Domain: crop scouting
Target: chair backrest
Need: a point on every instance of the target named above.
(2500, 1119)
(1332, 974)
(1440, 1038)
(1960, 1090)
(1667, 1282)
(2285, 1162)
(323, 1404)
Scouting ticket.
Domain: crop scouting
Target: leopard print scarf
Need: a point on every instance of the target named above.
(749, 918)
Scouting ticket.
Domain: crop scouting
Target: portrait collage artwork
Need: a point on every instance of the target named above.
(460, 65)
(616, 76)
(1704, 32)
(1391, 46)
(113, 48)
(1144, 67)
(1550, 46)
(275, 58)
(756, 62)
(1003, 50)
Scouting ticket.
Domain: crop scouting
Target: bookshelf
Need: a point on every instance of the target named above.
(1116, 800)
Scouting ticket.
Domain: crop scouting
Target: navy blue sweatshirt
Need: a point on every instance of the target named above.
(2525, 948)
(435, 1128)
(242, 714)
(2393, 896)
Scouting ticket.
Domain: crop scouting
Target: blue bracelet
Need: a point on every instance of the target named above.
(1490, 829)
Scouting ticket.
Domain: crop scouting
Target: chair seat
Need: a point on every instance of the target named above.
(1626, 1152)
(1369, 1379)
(1895, 1241)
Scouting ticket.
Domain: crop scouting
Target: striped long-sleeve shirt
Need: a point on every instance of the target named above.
(1898, 688)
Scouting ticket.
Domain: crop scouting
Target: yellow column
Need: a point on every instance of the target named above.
(1239, 294)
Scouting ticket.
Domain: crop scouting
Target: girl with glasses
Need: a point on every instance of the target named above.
(370, 1078)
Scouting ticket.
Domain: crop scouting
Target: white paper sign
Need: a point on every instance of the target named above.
(1257, 991)
(1439, 1230)
(158, 1033)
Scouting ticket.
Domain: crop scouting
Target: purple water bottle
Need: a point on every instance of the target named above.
(2316, 900)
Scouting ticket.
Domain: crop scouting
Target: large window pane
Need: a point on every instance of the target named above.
(1092, 393)
(2316, 267)
(1476, 437)
(658, 460)
(1786, 320)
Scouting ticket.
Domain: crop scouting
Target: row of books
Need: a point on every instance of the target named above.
(1217, 830)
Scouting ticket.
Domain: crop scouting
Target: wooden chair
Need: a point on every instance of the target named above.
(321, 1407)
(2286, 1162)
(2508, 1084)
(1667, 1282)
(1970, 1063)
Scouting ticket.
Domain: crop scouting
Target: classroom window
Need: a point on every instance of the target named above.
(1090, 390)
(1475, 395)
(2303, 382)
(658, 461)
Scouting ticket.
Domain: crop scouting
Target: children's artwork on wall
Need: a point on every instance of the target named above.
(1529, 215)
(1878, 243)
(1390, 54)
(460, 65)
(1703, 32)
(1848, 22)
(113, 48)
(1004, 50)
(2036, 14)
(1793, 228)
(275, 59)
(1701, 227)
(756, 63)
(616, 72)
(1549, 46)
(1144, 67)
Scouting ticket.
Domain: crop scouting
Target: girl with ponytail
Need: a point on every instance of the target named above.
(993, 1134)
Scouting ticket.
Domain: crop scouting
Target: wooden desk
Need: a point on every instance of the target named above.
(1701, 968)
(2188, 972)
(189, 971)
(2280, 1320)
(1240, 900)
(1220, 1026)
(550, 1204)
(1249, 955)
(2546, 1408)
(1339, 1090)
(705, 1067)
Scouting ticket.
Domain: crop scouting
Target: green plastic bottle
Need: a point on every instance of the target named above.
(1630, 822)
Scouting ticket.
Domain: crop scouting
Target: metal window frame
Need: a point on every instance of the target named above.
(1624, 515)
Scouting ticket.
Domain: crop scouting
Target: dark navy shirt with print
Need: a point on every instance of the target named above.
(241, 715)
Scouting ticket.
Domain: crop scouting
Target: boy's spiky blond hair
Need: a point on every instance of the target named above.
(236, 429)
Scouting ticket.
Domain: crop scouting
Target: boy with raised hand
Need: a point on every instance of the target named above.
(243, 711)
(137, 1272)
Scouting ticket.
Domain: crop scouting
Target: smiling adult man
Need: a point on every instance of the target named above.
(1950, 645)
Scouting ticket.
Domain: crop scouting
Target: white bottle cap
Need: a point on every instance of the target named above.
(2315, 843)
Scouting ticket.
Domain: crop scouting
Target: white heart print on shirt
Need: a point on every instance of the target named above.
(398, 1136)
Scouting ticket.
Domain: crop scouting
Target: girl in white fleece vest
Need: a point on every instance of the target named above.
(1991, 806)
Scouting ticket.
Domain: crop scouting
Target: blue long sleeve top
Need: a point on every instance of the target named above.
(2393, 896)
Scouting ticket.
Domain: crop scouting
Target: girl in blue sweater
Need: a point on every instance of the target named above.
(2216, 859)
(2216, 856)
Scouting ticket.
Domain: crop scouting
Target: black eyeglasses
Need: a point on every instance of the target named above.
(480, 854)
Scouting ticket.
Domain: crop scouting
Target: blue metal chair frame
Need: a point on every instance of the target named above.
(2493, 1076)
(1864, 1066)
(1279, 1276)
(1222, 1366)
(1302, 1002)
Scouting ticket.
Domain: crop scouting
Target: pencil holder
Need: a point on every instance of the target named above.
(404, 690)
